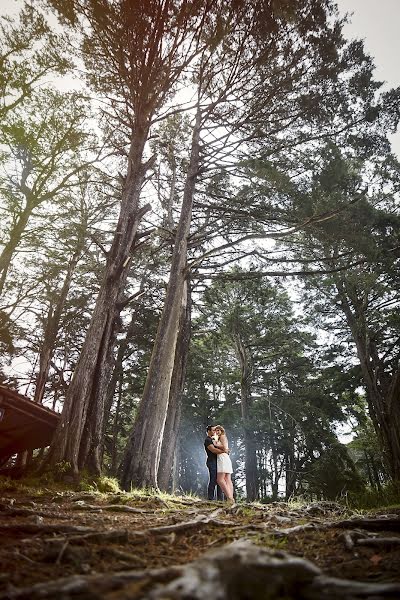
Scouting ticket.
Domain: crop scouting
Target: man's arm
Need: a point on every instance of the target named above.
(214, 449)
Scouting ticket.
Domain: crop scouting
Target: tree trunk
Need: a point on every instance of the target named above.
(383, 391)
(290, 475)
(12, 244)
(114, 448)
(172, 422)
(175, 467)
(142, 457)
(51, 328)
(117, 374)
(246, 406)
(83, 410)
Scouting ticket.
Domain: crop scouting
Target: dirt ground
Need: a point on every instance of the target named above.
(50, 537)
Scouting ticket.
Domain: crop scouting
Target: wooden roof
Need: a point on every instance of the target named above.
(24, 424)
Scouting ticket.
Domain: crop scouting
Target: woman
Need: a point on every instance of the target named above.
(224, 463)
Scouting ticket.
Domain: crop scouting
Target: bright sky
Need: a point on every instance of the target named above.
(376, 22)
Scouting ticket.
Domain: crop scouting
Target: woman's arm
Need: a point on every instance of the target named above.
(224, 442)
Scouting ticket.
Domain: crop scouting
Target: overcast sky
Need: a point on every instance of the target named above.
(377, 23)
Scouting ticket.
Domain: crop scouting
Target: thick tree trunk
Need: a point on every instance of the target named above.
(90, 451)
(142, 457)
(83, 410)
(383, 391)
(172, 422)
(246, 406)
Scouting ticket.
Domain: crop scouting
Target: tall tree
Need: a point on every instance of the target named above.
(44, 145)
(367, 295)
(134, 54)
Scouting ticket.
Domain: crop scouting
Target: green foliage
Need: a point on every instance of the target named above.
(371, 497)
(332, 475)
(30, 52)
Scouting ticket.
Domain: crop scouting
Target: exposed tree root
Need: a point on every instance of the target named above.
(243, 570)
(391, 523)
(45, 528)
(12, 511)
(239, 570)
(89, 586)
(110, 507)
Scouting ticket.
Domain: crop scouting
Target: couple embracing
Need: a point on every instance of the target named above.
(218, 463)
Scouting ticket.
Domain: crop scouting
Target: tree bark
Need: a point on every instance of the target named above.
(83, 410)
(142, 457)
(114, 448)
(172, 422)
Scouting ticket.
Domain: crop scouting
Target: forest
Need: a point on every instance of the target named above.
(200, 224)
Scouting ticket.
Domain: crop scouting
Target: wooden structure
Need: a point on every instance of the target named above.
(24, 425)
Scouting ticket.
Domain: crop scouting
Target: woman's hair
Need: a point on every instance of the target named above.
(221, 428)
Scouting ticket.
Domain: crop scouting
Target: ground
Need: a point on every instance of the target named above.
(121, 545)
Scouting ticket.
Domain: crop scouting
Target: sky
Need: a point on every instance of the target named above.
(376, 22)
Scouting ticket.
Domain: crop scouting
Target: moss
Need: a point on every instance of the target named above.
(107, 485)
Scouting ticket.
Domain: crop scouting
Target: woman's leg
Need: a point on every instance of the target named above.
(222, 484)
(229, 484)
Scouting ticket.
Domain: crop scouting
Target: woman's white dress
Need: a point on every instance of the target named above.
(224, 463)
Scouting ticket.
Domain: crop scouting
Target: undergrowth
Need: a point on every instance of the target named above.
(387, 496)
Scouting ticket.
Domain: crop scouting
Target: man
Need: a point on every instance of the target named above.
(211, 463)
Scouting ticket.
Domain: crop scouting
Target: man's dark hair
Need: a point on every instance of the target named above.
(209, 427)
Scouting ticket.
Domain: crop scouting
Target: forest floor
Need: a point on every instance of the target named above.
(117, 546)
